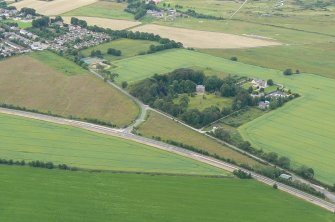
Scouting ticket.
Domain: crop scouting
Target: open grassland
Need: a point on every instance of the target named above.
(103, 9)
(58, 63)
(306, 15)
(314, 58)
(54, 7)
(159, 126)
(202, 102)
(40, 195)
(47, 82)
(128, 47)
(27, 139)
(204, 39)
(301, 130)
(115, 24)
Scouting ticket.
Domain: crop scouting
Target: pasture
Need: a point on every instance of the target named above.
(204, 39)
(27, 139)
(33, 195)
(103, 9)
(311, 58)
(47, 82)
(128, 47)
(301, 130)
(54, 7)
(115, 24)
(159, 126)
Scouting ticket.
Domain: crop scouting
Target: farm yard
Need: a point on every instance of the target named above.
(55, 7)
(203, 39)
(47, 82)
(29, 140)
(93, 196)
(115, 24)
(303, 143)
(103, 9)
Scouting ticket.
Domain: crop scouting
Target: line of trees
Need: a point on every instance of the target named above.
(37, 164)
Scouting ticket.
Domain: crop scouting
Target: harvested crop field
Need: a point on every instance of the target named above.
(205, 39)
(36, 84)
(54, 7)
(114, 24)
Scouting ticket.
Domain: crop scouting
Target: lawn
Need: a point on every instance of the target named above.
(202, 102)
(52, 195)
(159, 126)
(301, 130)
(103, 9)
(128, 47)
(27, 139)
(47, 82)
(22, 24)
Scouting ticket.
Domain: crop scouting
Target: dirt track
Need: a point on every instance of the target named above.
(55, 7)
(114, 24)
(205, 39)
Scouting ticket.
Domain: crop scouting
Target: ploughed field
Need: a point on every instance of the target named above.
(48, 82)
(31, 140)
(29, 194)
(308, 141)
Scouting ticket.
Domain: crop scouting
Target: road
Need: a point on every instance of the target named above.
(123, 133)
(143, 113)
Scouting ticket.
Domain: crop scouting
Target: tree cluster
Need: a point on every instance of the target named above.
(78, 22)
(28, 11)
(242, 175)
(139, 8)
(114, 52)
(41, 22)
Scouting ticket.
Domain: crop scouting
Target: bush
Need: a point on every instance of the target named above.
(234, 58)
(242, 175)
(275, 186)
(288, 72)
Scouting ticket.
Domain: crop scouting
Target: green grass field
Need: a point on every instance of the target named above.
(53, 195)
(301, 129)
(314, 58)
(59, 63)
(202, 102)
(103, 9)
(27, 139)
(47, 82)
(159, 126)
(128, 47)
(244, 116)
(22, 25)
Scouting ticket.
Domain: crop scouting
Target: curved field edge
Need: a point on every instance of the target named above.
(29, 140)
(48, 82)
(308, 141)
(160, 126)
(39, 195)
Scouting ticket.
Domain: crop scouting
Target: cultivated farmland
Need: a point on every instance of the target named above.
(39, 195)
(114, 24)
(54, 7)
(203, 39)
(47, 82)
(103, 9)
(27, 139)
(159, 126)
(302, 129)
